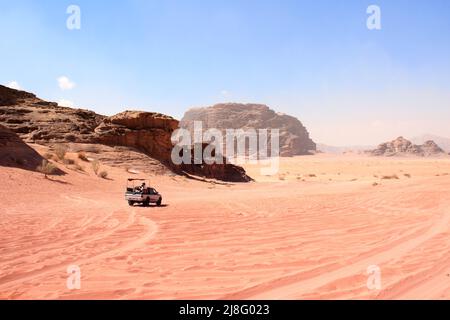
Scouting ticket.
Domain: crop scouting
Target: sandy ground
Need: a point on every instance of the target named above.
(310, 232)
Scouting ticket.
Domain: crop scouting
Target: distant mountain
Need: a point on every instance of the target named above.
(342, 149)
(443, 142)
(404, 147)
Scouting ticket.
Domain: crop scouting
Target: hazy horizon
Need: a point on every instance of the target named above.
(315, 60)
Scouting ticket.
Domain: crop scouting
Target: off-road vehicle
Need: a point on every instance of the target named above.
(140, 191)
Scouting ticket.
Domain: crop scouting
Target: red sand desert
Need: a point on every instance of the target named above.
(310, 232)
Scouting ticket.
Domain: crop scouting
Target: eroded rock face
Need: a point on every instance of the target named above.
(151, 133)
(9, 97)
(402, 146)
(38, 121)
(294, 138)
(146, 131)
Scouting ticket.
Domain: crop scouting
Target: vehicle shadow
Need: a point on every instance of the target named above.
(150, 206)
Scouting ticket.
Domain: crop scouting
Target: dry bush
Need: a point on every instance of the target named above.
(92, 149)
(95, 166)
(311, 175)
(48, 155)
(375, 184)
(407, 175)
(393, 176)
(82, 156)
(68, 161)
(77, 167)
(47, 168)
(103, 174)
(60, 151)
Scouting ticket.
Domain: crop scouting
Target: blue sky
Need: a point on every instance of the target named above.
(314, 59)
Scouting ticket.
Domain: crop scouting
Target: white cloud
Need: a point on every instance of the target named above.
(65, 84)
(224, 93)
(14, 85)
(65, 103)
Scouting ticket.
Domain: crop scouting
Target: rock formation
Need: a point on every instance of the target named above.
(39, 121)
(42, 122)
(294, 138)
(443, 142)
(402, 146)
(15, 153)
(151, 133)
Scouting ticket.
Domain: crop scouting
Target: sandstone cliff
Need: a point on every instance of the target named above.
(42, 122)
(39, 121)
(294, 138)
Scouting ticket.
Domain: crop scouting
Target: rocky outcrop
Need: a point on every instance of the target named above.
(294, 138)
(442, 142)
(430, 148)
(15, 153)
(38, 121)
(151, 133)
(146, 131)
(402, 146)
(10, 97)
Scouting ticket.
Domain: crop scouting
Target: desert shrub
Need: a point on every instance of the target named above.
(92, 148)
(95, 166)
(60, 151)
(374, 184)
(47, 168)
(393, 176)
(78, 167)
(281, 177)
(68, 161)
(311, 175)
(82, 156)
(407, 175)
(48, 155)
(103, 174)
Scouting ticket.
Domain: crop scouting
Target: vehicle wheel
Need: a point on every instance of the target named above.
(130, 203)
(158, 203)
(146, 203)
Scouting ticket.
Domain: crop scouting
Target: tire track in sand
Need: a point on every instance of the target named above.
(298, 288)
(151, 230)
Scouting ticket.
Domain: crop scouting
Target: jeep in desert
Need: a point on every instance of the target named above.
(139, 191)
